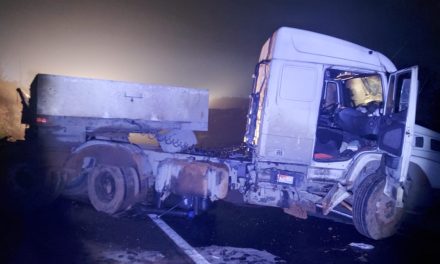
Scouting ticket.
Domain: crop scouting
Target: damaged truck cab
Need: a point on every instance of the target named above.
(331, 124)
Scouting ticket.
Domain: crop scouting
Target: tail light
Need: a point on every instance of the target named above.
(41, 120)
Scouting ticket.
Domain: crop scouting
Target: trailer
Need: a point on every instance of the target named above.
(330, 129)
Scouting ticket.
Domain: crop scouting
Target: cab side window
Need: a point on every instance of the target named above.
(331, 95)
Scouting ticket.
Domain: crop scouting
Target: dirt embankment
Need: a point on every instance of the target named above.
(10, 110)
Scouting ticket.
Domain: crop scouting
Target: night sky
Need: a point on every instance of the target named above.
(205, 44)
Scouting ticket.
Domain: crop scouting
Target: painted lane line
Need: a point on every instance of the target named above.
(179, 241)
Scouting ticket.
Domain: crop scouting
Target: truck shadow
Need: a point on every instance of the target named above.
(35, 226)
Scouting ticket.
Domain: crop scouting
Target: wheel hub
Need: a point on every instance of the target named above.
(385, 209)
(106, 187)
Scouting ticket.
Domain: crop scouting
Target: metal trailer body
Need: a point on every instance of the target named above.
(104, 99)
(115, 105)
(81, 128)
(65, 112)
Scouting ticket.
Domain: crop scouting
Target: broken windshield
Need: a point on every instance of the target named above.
(355, 89)
(360, 91)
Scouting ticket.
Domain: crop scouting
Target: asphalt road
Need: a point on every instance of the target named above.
(313, 240)
(65, 231)
(72, 232)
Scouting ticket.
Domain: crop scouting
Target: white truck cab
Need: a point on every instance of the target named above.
(344, 113)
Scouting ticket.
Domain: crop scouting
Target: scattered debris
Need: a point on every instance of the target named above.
(101, 254)
(339, 249)
(362, 259)
(129, 256)
(217, 254)
(362, 246)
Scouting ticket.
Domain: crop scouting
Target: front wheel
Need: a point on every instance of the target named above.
(375, 215)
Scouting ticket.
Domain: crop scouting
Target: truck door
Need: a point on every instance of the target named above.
(397, 128)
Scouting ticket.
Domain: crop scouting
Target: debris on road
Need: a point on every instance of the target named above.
(179, 241)
(362, 246)
(100, 253)
(218, 254)
(362, 258)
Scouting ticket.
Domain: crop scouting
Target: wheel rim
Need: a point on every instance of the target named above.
(385, 209)
(382, 216)
(375, 214)
(106, 187)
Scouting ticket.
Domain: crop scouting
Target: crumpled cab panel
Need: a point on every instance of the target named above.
(288, 124)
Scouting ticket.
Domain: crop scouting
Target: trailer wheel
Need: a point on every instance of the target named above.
(106, 188)
(132, 187)
(76, 187)
(31, 186)
(23, 179)
(375, 214)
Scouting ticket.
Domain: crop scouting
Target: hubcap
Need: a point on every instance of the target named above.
(105, 187)
(385, 209)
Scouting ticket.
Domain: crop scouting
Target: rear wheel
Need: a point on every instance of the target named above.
(76, 185)
(418, 200)
(375, 215)
(32, 186)
(112, 189)
(106, 188)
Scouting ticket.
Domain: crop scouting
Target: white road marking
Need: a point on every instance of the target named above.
(179, 241)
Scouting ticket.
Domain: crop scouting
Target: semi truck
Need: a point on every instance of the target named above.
(330, 130)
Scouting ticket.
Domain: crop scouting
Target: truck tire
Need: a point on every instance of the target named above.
(31, 186)
(76, 187)
(375, 214)
(132, 186)
(418, 199)
(23, 179)
(24, 186)
(54, 182)
(418, 194)
(106, 189)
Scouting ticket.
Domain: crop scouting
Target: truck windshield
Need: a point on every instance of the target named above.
(360, 91)
(353, 89)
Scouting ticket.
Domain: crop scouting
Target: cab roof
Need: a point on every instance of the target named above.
(306, 46)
